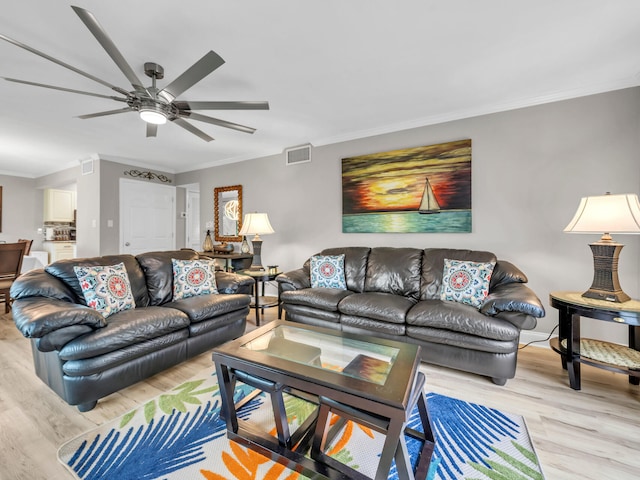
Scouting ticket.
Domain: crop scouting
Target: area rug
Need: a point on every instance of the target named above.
(180, 436)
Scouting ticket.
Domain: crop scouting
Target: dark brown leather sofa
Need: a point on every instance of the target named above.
(83, 357)
(395, 293)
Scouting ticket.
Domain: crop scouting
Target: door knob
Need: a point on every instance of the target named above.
(126, 244)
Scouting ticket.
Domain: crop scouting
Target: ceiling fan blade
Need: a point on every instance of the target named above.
(217, 121)
(63, 64)
(152, 130)
(192, 75)
(196, 131)
(108, 112)
(101, 35)
(183, 105)
(70, 90)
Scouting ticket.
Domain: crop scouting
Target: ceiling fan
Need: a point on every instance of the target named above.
(154, 106)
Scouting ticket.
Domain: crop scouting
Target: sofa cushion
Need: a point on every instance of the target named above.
(98, 364)
(106, 288)
(124, 329)
(466, 282)
(505, 273)
(327, 271)
(321, 298)
(462, 341)
(378, 306)
(63, 270)
(394, 270)
(356, 324)
(158, 273)
(193, 277)
(433, 267)
(203, 307)
(457, 317)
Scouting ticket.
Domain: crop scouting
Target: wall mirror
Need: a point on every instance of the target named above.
(228, 213)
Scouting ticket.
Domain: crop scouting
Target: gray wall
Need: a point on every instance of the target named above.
(21, 210)
(530, 168)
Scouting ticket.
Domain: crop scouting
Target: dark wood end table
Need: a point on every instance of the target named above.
(260, 300)
(571, 306)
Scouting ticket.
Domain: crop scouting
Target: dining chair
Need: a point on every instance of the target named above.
(27, 249)
(11, 255)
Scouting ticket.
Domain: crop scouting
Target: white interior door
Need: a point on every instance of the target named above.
(193, 220)
(147, 217)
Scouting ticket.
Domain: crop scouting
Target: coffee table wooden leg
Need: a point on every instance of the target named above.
(227, 385)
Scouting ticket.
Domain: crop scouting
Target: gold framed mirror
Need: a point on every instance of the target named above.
(227, 208)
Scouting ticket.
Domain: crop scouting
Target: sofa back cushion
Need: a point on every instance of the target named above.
(63, 270)
(158, 272)
(355, 265)
(433, 267)
(394, 270)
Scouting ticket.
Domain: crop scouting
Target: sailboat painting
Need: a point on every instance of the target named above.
(415, 190)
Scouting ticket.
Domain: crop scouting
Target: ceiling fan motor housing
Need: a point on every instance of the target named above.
(153, 70)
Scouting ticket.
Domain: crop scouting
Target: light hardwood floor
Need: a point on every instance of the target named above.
(589, 434)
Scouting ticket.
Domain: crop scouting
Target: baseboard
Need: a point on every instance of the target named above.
(539, 338)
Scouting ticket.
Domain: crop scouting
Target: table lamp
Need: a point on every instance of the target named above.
(606, 214)
(256, 224)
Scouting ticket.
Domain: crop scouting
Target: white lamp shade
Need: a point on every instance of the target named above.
(607, 214)
(256, 224)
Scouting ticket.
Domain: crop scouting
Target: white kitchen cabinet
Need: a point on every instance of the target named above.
(60, 250)
(59, 205)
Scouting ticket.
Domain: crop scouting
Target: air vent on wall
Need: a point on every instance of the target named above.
(87, 166)
(299, 154)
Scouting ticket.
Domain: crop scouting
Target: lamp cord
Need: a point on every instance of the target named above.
(544, 340)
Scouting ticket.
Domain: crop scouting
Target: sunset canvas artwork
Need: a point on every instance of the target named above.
(413, 190)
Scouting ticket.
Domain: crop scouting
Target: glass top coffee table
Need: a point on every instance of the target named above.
(370, 380)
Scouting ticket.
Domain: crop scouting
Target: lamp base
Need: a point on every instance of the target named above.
(605, 285)
(256, 263)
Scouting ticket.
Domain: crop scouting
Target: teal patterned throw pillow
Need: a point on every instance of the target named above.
(193, 277)
(466, 282)
(327, 271)
(106, 289)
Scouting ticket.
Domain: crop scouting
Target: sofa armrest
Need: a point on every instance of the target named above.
(294, 280)
(36, 317)
(513, 297)
(227, 282)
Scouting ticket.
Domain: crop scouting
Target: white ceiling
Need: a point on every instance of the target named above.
(331, 70)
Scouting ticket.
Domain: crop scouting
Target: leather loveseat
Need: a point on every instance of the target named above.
(83, 356)
(395, 293)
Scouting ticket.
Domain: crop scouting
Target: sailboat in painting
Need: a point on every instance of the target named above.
(429, 203)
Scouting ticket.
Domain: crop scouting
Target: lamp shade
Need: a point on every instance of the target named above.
(256, 224)
(607, 214)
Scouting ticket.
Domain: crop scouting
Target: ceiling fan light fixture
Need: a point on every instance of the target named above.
(153, 115)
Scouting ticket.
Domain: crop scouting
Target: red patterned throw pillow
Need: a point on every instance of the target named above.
(106, 289)
(327, 271)
(466, 282)
(193, 277)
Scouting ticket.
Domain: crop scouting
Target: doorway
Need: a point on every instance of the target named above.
(147, 217)
(192, 237)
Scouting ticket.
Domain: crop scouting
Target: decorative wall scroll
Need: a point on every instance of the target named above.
(148, 175)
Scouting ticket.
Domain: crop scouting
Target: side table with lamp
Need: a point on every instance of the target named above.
(258, 224)
(605, 299)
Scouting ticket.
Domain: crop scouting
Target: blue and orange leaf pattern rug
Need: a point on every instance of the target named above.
(180, 436)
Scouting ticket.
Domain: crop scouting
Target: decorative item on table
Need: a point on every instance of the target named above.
(244, 248)
(223, 248)
(256, 224)
(273, 269)
(606, 214)
(207, 246)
